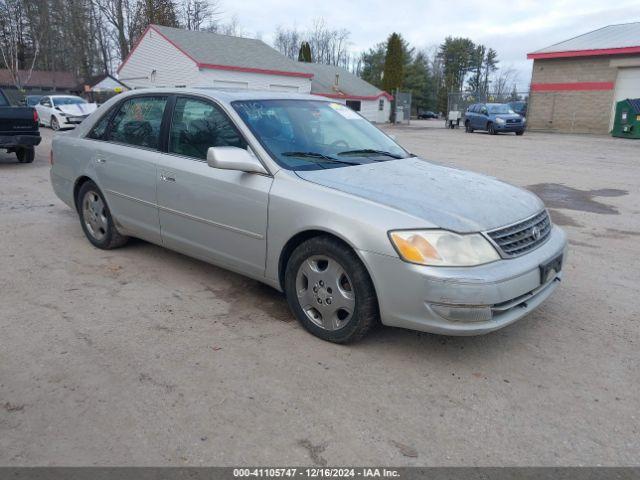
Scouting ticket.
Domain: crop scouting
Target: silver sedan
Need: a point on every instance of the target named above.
(303, 194)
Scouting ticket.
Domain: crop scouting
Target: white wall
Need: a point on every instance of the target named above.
(369, 109)
(155, 53)
(173, 68)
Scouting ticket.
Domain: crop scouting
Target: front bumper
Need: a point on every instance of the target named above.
(509, 127)
(71, 121)
(409, 294)
(12, 141)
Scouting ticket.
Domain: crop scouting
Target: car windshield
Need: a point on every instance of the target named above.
(68, 100)
(314, 134)
(502, 108)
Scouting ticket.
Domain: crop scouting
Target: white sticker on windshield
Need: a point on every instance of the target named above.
(346, 112)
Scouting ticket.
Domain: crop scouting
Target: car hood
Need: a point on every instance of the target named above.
(79, 109)
(507, 116)
(445, 197)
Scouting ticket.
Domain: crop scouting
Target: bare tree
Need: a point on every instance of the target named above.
(503, 82)
(287, 42)
(199, 14)
(13, 42)
(328, 46)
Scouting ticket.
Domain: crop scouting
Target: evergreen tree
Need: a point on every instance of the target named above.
(373, 65)
(394, 63)
(304, 54)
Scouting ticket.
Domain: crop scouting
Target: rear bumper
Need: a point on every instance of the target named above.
(12, 141)
(414, 297)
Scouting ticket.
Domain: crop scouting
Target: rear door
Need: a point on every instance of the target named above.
(125, 159)
(213, 214)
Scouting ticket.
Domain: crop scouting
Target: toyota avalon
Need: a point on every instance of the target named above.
(305, 195)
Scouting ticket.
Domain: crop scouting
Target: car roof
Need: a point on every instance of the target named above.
(228, 95)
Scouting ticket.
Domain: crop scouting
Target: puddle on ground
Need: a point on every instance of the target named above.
(556, 195)
(562, 219)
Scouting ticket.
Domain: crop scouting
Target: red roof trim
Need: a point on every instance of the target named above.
(133, 49)
(576, 86)
(255, 70)
(584, 53)
(344, 96)
(211, 65)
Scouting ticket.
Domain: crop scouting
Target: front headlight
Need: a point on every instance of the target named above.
(442, 248)
(524, 119)
(500, 120)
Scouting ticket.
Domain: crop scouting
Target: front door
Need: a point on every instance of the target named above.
(125, 163)
(217, 215)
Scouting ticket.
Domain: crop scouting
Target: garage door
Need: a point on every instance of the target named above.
(627, 86)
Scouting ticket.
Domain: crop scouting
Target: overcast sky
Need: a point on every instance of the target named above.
(512, 27)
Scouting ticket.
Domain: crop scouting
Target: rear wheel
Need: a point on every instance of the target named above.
(54, 124)
(96, 220)
(26, 154)
(329, 290)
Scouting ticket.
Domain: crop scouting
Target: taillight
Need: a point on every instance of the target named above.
(51, 156)
(35, 115)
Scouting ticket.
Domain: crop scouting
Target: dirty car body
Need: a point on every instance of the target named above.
(446, 251)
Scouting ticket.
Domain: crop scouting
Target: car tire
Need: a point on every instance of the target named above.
(55, 125)
(96, 220)
(520, 133)
(491, 129)
(330, 291)
(467, 127)
(26, 154)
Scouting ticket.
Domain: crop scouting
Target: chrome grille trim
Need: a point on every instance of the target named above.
(518, 239)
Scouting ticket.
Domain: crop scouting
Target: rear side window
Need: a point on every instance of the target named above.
(137, 122)
(197, 125)
(100, 128)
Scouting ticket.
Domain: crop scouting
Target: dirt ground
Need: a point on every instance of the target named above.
(142, 356)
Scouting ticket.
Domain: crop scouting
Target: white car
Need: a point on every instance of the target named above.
(63, 111)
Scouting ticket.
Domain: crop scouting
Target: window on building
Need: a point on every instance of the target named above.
(137, 122)
(381, 104)
(198, 125)
(354, 105)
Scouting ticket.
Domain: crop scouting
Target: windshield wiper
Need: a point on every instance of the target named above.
(365, 151)
(317, 156)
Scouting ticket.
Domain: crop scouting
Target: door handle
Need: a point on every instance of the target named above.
(167, 178)
(100, 160)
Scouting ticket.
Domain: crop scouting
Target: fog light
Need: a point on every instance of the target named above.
(457, 313)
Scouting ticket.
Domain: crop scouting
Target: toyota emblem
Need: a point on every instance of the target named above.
(535, 233)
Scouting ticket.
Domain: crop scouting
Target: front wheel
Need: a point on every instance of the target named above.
(26, 154)
(55, 125)
(520, 133)
(491, 129)
(467, 127)
(330, 291)
(96, 220)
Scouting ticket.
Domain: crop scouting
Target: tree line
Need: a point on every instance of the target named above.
(89, 37)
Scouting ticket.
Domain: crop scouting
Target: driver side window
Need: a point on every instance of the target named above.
(197, 125)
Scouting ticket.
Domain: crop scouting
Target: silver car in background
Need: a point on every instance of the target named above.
(303, 194)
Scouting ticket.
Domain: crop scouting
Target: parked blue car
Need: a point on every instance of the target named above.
(494, 118)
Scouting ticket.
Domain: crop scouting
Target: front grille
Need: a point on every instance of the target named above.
(524, 236)
(513, 120)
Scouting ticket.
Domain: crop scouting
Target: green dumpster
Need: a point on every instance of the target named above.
(627, 121)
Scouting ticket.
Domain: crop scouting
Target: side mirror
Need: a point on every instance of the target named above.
(484, 111)
(234, 158)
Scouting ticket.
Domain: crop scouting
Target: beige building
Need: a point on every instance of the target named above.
(575, 84)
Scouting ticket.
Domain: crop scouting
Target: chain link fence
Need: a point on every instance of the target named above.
(459, 101)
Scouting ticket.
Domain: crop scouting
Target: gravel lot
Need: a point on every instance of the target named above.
(142, 356)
